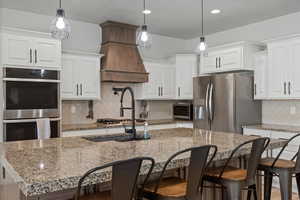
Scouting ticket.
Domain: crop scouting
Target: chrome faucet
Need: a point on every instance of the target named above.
(132, 108)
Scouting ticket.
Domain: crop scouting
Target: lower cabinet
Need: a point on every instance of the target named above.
(80, 77)
(290, 151)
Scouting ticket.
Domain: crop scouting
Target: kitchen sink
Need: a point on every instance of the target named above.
(117, 138)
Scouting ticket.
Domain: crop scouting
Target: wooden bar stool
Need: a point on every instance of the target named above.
(233, 179)
(284, 169)
(177, 188)
(124, 180)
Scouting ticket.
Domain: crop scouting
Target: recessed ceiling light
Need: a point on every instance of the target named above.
(146, 12)
(215, 11)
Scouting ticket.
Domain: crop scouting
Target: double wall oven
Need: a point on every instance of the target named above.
(30, 94)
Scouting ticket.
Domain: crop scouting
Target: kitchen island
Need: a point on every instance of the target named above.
(52, 168)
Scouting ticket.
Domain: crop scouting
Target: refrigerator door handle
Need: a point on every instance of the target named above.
(211, 102)
(206, 101)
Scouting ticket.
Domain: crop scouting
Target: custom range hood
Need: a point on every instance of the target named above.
(122, 61)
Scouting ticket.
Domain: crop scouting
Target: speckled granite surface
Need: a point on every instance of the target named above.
(275, 127)
(57, 164)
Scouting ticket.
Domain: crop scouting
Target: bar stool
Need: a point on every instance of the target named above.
(284, 169)
(177, 188)
(124, 179)
(233, 179)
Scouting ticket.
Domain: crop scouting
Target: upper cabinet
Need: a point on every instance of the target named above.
(169, 80)
(80, 76)
(283, 68)
(30, 51)
(186, 69)
(161, 82)
(232, 57)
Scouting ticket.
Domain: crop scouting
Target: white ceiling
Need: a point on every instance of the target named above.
(175, 18)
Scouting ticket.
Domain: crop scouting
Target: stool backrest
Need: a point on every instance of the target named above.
(297, 157)
(257, 148)
(198, 162)
(283, 149)
(124, 177)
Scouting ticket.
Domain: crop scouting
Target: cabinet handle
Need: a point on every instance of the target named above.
(219, 62)
(284, 88)
(289, 87)
(179, 92)
(77, 89)
(35, 54)
(159, 91)
(216, 62)
(30, 52)
(255, 92)
(162, 91)
(81, 89)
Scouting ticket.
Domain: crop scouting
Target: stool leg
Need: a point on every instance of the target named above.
(285, 179)
(268, 179)
(249, 194)
(298, 183)
(255, 192)
(233, 190)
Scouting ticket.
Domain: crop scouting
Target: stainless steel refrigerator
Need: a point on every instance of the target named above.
(224, 102)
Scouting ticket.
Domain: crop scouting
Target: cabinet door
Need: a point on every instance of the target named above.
(68, 75)
(47, 53)
(152, 88)
(294, 70)
(168, 82)
(17, 50)
(186, 68)
(231, 59)
(209, 62)
(260, 67)
(89, 70)
(278, 58)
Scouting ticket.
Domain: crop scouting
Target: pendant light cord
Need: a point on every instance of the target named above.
(144, 11)
(202, 18)
(60, 4)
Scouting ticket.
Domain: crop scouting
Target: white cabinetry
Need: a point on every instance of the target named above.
(260, 75)
(80, 76)
(29, 51)
(186, 69)
(161, 82)
(283, 69)
(231, 57)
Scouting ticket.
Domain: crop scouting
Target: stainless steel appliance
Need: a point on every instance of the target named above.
(30, 94)
(224, 102)
(183, 111)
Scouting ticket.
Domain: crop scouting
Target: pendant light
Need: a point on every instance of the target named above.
(60, 27)
(202, 44)
(144, 38)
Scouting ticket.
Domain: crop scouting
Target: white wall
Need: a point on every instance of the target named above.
(86, 36)
(272, 28)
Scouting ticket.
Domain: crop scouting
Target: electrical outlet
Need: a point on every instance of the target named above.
(73, 109)
(293, 110)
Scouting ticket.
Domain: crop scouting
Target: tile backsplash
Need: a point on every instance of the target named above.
(75, 112)
(283, 112)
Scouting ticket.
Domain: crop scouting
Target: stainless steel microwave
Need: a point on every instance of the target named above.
(183, 111)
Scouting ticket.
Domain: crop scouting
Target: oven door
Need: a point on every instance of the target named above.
(17, 130)
(31, 94)
(182, 111)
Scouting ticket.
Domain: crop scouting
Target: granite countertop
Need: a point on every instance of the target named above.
(275, 127)
(78, 127)
(51, 165)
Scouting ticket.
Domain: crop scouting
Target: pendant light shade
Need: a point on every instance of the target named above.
(60, 27)
(144, 38)
(202, 45)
